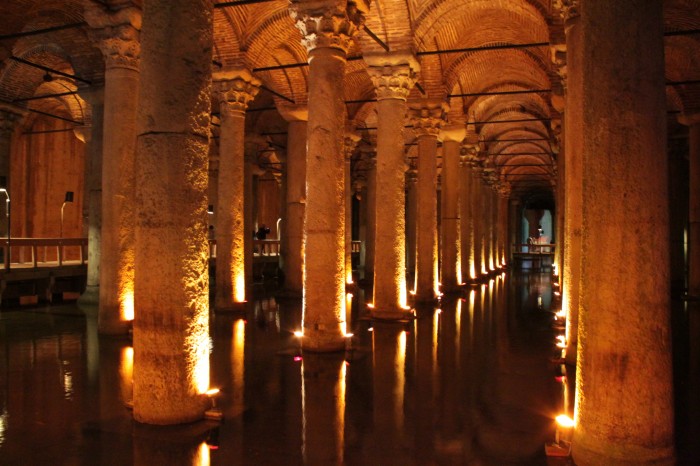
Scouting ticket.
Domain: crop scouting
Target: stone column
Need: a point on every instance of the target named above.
(466, 217)
(478, 218)
(488, 221)
(93, 199)
(295, 199)
(693, 122)
(328, 29)
(451, 270)
(117, 35)
(370, 207)
(351, 140)
(573, 178)
(411, 221)
(171, 327)
(426, 116)
(9, 116)
(393, 76)
(624, 384)
(236, 88)
(502, 195)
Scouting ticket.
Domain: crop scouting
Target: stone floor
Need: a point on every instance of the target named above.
(469, 384)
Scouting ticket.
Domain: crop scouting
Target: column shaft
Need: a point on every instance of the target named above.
(426, 229)
(450, 273)
(171, 327)
(371, 210)
(296, 202)
(466, 223)
(694, 212)
(624, 392)
(478, 223)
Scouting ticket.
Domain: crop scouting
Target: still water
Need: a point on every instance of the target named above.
(471, 382)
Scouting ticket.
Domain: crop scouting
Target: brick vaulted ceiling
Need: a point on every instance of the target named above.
(483, 80)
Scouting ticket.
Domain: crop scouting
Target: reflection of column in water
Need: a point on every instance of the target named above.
(238, 368)
(426, 330)
(178, 446)
(126, 373)
(693, 386)
(450, 373)
(323, 405)
(389, 358)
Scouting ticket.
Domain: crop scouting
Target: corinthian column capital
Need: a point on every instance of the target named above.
(235, 88)
(393, 74)
(427, 116)
(328, 23)
(116, 33)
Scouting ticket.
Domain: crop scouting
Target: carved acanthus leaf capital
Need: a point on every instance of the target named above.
(328, 23)
(235, 88)
(427, 116)
(393, 74)
(117, 34)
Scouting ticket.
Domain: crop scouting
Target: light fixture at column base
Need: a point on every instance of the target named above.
(213, 414)
(561, 449)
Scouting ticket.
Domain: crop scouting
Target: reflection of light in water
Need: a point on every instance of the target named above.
(303, 409)
(472, 299)
(238, 370)
(400, 365)
(126, 371)
(202, 458)
(345, 317)
(3, 426)
(436, 325)
(458, 324)
(68, 385)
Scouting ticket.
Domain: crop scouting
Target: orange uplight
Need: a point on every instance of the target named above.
(127, 304)
(564, 421)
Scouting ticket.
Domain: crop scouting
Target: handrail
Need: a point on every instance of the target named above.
(534, 248)
(18, 247)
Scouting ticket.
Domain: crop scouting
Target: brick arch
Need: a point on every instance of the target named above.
(18, 80)
(390, 20)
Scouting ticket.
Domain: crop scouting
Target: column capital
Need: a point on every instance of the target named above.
(689, 119)
(235, 89)
(9, 116)
(83, 132)
(427, 116)
(328, 23)
(294, 112)
(352, 138)
(393, 74)
(454, 133)
(116, 33)
(568, 9)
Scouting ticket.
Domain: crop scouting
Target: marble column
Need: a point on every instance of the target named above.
(624, 382)
(426, 116)
(295, 199)
(393, 76)
(9, 116)
(116, 33)
(327, 29)
(466, 217)
(171, 327)
(693, 122)
(351, 140)
(411, 221)
(236, 88)
(450, 265)
(370, 153)
(573, 180)
(93, 199)
(478, 219)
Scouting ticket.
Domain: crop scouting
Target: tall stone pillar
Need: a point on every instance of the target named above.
(624, 392)
(693, 122)
(328, 29)
(573, 178)
(450, 265)
(478, 219)
(370, 202)
(117, 35)
(411, 220)
(93, 189)
(351, 140)
(426, 116)
(393, 76)
(171, 327)
(466, 216)
(236, 88)
(502, 195)
(9, 116)
(295, 199)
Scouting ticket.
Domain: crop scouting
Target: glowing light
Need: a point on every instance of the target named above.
(126, 372)
(212, 392)
(349, 335)
(370, 305)
(127, 305)
(298, 334)
(239, 285)
(561, 314)
(412, 292)
(238, 367)
(371, 329)
(198, 347)
(3, 426)
(202, 457)
(297, 358)
(564, 421)
(561, 338)
(556, 293)
(561, 344)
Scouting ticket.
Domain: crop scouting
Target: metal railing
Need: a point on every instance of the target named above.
(43, 252)
(534, 248)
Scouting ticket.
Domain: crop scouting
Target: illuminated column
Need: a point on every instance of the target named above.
(478, 217)
(236, 88)
(466, 217)
(370, 153)
(351, 140)
(502, 195)
(117, 35)
(411, 223)
(393, 76)
(624, 385)
(295, 199)
(9, 116)
(426, 116)
(171, 327)
(693, 122)
(328, 30)
(324, 408)
(451, 273)
(573, 181)
(93, 198)
(487, 196)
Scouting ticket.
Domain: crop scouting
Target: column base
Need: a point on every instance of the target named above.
(117, 329)
(430, 298)
(393, 314)
(89, 301)
(317, 342)
(232, 308)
